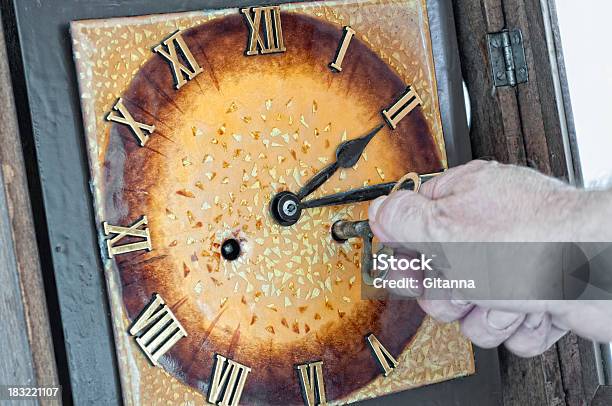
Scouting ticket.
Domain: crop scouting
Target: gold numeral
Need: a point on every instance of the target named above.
(341, 52)
(273, 41)
(313, 386)
(231, 377)
(157, 329)
(384, 357)
(408, 102)
(121, 232)
(126, 118)
(168, 49)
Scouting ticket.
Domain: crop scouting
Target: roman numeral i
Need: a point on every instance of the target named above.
(170, 49)
(157, 330)
(401, 108)
(341, 52)
(228, 380)
(120, 233)
(272, 41)
(313, 386)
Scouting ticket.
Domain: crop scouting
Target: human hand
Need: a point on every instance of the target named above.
(487, 201)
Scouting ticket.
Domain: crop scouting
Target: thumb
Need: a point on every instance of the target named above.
(401, 217)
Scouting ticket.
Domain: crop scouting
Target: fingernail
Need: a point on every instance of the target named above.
(374, 206)
(460, 302)
(533, 321)
(501, 320)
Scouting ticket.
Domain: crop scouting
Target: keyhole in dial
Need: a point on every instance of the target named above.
(230, 249)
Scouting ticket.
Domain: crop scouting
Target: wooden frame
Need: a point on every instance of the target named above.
(529, 125)
(24, 328)
(50, 119)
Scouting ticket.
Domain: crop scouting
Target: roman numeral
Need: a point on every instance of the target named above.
(120, 232)
(384, 357)
(313, 386)
(273, 40)
(139, 129)
(228, 380)
(169, 49)
(341, 52)
(408, 102)
(157, 329)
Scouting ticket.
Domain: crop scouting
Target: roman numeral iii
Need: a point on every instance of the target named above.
(401, 108)
(175, 51)
(121, 232)
(140, 130)
(228, 380)
(384, 357)
(157, 329)
(313, 386)
(268, 18)
(341, 52)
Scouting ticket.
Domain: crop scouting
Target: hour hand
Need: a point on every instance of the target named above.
(347, 155)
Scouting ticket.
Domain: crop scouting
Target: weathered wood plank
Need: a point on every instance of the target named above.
(495, 116)
(25, 322)
(518, 125)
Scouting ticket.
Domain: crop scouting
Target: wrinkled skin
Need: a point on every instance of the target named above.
(488, 201)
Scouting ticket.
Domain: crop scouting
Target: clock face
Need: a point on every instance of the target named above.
(222, 117)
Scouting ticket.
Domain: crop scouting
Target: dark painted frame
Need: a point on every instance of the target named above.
(54, 147)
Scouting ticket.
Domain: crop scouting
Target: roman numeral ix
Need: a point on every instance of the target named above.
(272, 41)
(140, 130)
(120, 232)
(157, 329)
(170, 49)
(384, 357)
(313, 386)
(228, 379)
(401, 108)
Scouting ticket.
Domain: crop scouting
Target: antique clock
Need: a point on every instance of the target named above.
(223, 146)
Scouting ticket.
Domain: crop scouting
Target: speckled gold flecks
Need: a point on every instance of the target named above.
(108, 53)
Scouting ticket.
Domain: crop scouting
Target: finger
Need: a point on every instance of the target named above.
(531, 338)
(489, 328)
(445, 310)
(400, 217)
(536, 335)
(407, 289)
(441, 185)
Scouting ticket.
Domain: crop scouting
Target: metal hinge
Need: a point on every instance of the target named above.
(507, 58)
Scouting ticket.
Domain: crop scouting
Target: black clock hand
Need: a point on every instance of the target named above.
(361, 194)
(347, 155)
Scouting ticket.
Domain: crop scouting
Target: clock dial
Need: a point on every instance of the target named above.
(219, 121)
(244, 130)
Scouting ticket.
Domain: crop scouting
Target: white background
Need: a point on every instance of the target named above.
(587, 45)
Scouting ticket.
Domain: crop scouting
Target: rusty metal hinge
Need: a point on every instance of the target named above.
(507, 56)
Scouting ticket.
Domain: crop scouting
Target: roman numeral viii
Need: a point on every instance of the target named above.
(228, 380)
(401, 108)
(157, 329)
(313, 386)
(269, 19)
(384, 357)
(140, 130)
(120, 233)
(175, 51)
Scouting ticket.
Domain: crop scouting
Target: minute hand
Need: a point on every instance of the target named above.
(363, 194)
(347, 155)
